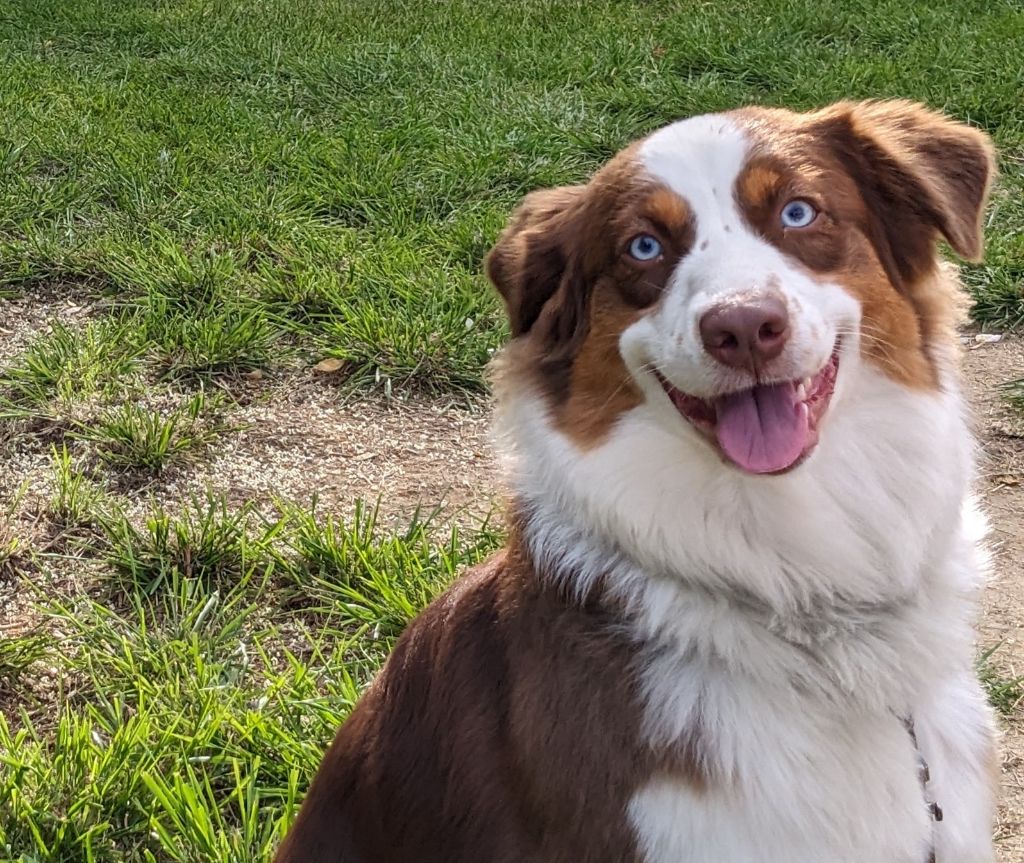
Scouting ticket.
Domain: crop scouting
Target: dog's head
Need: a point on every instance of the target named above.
(727, 272)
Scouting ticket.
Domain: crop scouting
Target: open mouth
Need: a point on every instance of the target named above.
(769, 428)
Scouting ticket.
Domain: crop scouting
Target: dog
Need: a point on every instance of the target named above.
(733, 619)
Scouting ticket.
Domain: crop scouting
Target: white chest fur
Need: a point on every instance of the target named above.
(803, 794)
(799, 728)
(814, 786)
(797, 618)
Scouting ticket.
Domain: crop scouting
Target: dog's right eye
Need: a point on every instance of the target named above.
(644, 248)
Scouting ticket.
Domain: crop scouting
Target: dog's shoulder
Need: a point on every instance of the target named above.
(461, 748)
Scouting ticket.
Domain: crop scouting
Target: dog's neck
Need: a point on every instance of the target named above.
(852, 653)
(844, 563)
(582, 564)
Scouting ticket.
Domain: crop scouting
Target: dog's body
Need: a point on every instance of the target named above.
(742, 554)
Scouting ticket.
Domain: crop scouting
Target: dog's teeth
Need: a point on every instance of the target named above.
(801, 391)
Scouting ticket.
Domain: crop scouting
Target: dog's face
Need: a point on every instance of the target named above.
(726, 272)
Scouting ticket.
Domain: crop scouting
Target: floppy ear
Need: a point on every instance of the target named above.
(921, 175)
(533, 267)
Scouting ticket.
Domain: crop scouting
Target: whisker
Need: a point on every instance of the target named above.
(623, 382)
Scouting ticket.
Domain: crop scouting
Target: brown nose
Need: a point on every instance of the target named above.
(746, 332)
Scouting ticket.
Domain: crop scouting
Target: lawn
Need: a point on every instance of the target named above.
(231, 195)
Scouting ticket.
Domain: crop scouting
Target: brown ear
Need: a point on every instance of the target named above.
(531, 264)
(921, 175)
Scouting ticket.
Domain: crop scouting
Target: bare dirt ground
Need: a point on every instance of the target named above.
(1001, 433)
(305, 442)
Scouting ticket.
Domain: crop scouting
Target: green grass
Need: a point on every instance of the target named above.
(382, 584)
(236, 188)
(1005, 693)
(209, 542)
(1014, 392)
(240, 178)
(19, 654)
(76, 499)
(10, 545)
(12, 548)
(134, 437)
(65, 364)
(199, 697)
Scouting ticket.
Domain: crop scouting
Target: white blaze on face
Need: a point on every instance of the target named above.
(700, 159)
(763, 427)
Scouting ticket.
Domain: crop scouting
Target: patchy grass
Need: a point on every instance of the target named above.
(1006, 693)
(10, 545)
(1014, 392)
(208, 542)
(12, 548)
(199, 698)
(64, 365)
(134, 437)
(77, 501)
(19, 653)
(247, 189)
(380, 584)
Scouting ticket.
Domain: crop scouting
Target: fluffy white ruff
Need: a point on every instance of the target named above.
(785, 622)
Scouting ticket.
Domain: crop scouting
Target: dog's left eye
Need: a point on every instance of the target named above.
(798, 214)
(644, 248)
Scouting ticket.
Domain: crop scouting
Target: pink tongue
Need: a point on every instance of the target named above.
(763, 430)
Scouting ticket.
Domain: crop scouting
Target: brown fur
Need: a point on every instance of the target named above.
(601, 388)
(503, 728)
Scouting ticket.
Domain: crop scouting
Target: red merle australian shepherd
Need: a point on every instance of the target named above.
(733, 621)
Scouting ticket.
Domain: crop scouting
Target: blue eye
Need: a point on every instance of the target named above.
(798, 214)
(644, 247)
